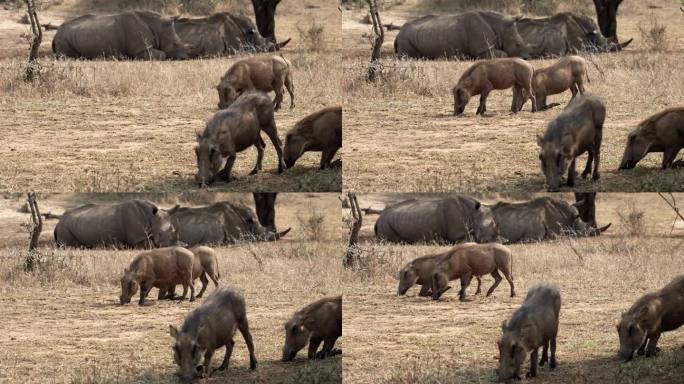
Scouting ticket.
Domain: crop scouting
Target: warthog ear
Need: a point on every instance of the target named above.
(642, 315)
(173, 331)
(540, 140)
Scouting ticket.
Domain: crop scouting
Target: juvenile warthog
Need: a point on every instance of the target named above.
(320, 321)
(160, 268)
(265, 73)
(662, 132)
(419, 271)
(533, 325)
(205, 264)
(576, 130)
(485, 76)
(320, 131)
(568, 72)
(654, 313)
(233, 130)
(468, 260)
(209, 327)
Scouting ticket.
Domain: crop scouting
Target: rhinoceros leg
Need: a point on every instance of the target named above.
(260, 156)
(272, 133)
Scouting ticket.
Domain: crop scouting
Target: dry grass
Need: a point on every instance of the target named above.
(103, 126)
(422, 147)
(62, 323)
(416, 340)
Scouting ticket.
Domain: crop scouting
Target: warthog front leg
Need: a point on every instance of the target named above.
(482, 108)
(225, 174)
(497, 280)
(642, 348)
(260, 156)
(326, 158)
(669, 156)
(145, 287)
(533, 363)
(465, 281)
(208, 355)
(424, 291)
(314, 343)
(479, 285)
(545, 354)
(587, 167)
(571, 174)
(651, 348)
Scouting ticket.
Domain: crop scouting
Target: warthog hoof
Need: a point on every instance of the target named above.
(553, 364)
(596, 177)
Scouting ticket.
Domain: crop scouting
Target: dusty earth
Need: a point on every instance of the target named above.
(102, 126)
(403, 128)
(63, 323)
(409, 339)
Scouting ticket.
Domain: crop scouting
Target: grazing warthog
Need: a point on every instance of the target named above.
(208, 327)
(467, 260)
(475, 34)
(564, 34)
(320, 321)
(450, 219)
(233, 130)
(320, 131)
(654, 313)
(533, 325)
(568, 72)
(419, 271)
(160, 268)
(220, 223)
(265, 73)
(133, 34)
(221, 34)
(205, 264)
(576, 130)
(539, 219)
(485, 76)
(129, 224)
(662, 132)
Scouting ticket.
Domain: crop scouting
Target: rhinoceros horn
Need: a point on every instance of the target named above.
(600, 230)
(277, 46)
(618, 47)
(277, 235)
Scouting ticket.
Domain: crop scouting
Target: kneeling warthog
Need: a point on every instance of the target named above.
(160, 268)
(654, 313)
(576, 130)
(265, 73)
(419, 271)
(662, 132)
(320, 321)
(568, 72)
(209, 327)
(233, 130)
(205, 264)
(320, 131)
(468, 260)
(533, 325)
(485, 76)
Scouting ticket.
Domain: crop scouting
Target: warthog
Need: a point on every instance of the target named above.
(205, 264)
(662, 132)
(654, 313)
(320, 321)
(576, 130)
(419, 271)
(265, 73)
(468, 260)
(568, 72)
(451, 219)
(474, 34)
(209, 327)
(160, 268)
(320, 131)
(233, 130)
(132, 34)
(128, 224)
(533, 325)
(485, 76)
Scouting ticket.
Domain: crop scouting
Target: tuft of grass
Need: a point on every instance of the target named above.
(632, 221)
(654, 35)
(312, 37)
(312, 226)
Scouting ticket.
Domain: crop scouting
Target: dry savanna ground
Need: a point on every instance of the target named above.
(403, 126)
(63, 324)
(103, 126)
(407, 340)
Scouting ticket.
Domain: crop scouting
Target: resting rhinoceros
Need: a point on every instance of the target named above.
(563, 34)
(539, 219)
(222, 34)
(132, 34)
(474, 34)
(130, 224)
(450, 219)
(220, 223)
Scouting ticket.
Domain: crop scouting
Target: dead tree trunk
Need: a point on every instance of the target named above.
(36, 229)
(37, 31)
(352, 248)
(375, 67)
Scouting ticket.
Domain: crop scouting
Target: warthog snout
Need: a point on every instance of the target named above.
(288, 354)
(626, 164)
(625, 355)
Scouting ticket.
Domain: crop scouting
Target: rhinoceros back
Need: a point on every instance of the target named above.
(96, 225)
